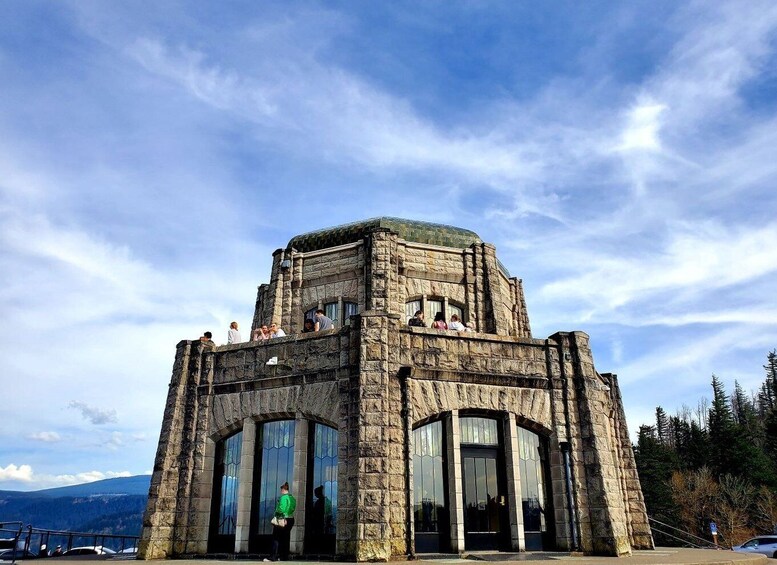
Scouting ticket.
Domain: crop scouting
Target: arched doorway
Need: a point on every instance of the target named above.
(486, 520)
(274, 466)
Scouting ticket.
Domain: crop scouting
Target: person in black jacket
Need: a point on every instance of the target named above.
(417, 320)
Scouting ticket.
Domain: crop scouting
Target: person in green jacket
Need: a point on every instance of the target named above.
(284, 509)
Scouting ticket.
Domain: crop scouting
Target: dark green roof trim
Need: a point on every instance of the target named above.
(409, 230)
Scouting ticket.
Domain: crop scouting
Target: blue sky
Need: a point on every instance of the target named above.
(621, 156)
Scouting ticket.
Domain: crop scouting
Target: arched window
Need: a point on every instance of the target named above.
(532, 457)
(432, 306)
(276, 467)
(349, 309)
(411, 308)
(430, 508)
(431, 309)
(226, 478)
(322, 490)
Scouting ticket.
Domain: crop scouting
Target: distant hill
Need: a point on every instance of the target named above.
(111, 506)
(123, 485)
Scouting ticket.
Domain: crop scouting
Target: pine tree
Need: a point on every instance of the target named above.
(662, 426)
(769, 405)
(655, 464)
(746, 416)
(731, 449)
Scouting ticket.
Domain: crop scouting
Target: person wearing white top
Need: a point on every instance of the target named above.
(275, 331)
(233, 335)
(455, 324)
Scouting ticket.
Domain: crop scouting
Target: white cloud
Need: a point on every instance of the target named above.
(697, 258)
(95, 415)
(22, 473)
(25, 474)
(642, 128)
(46, 437)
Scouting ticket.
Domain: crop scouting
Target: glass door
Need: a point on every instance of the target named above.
(485, 519)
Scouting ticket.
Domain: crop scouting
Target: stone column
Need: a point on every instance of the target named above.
(639, 531)
(372, 426)
(514, 494)
(202, 496)
(296, 322)
(471, 297)
(166, 515)
(602, 512)
(275, 294)
(245, 487)
(494, 293)
(299, 484)
(522, 326)
(455, 482)
(380, 276)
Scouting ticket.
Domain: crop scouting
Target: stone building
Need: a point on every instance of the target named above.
(396, 440)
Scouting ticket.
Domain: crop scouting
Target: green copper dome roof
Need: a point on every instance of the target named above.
(409, 230)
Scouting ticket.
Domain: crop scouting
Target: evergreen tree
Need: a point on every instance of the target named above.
(720, 424)
(662, 426)
(655, 464)
(731, 449)
(746, 416)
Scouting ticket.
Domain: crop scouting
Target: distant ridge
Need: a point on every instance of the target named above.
(137, 485)
(110, 506)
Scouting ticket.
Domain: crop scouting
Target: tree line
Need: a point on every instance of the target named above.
(715, 463)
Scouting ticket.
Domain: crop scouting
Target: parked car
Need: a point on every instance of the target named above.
(8, 555)
(765, 545)
(88, 550)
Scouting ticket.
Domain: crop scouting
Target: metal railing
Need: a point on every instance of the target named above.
(686, 539)
(15, 529)
(39, 542)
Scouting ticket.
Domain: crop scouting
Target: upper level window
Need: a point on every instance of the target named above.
(431, 307)
(349, 309)
(411, 308)
(334, 311)
(330, 311)
(478, 431)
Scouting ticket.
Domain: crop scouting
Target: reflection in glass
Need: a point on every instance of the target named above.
(229, 464)
(532, 468)
(481, 493)
(277, 468)
(478, 431)
(349, 309)
(322, 493)
(330, 311)
(432, 307)
(454, 310)
(429, 509)
(411, 308)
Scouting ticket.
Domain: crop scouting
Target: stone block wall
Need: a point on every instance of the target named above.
(374, 381)
(383, 265)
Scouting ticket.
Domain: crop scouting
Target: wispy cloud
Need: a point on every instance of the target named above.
(97, 416)
(45, 437)
(148, 170)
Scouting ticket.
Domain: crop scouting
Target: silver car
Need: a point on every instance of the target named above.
(765, 545)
